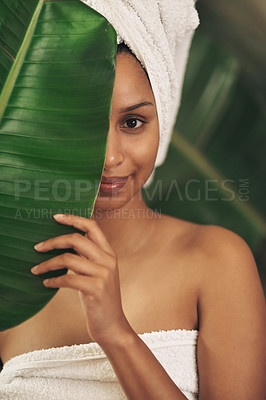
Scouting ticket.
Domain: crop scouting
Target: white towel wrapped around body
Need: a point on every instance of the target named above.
(83, 372)
(159, 33)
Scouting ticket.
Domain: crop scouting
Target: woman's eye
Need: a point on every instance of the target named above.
(133, 123)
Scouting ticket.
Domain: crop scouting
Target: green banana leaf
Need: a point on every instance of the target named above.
(57, 69)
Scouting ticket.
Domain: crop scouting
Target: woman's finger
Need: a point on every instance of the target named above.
(75, 263)
(87, 285)
(82, 245)
(90, 226)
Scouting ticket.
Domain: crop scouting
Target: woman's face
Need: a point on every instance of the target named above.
(133, 136)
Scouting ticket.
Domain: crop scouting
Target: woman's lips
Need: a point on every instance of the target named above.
(112, 184)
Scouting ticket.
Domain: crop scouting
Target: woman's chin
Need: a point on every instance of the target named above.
(107, 201)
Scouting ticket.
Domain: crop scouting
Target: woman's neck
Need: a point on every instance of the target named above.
(128, 228)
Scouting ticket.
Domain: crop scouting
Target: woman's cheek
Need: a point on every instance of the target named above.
(145, 156)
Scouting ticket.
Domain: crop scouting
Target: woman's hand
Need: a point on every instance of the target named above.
(95, 276)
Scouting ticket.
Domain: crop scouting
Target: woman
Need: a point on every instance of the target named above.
(137, 272)
(149, 272)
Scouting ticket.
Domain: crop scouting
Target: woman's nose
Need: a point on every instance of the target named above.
(114, 155)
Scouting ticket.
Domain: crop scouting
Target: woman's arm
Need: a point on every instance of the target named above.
(139, 372)
(231, 342)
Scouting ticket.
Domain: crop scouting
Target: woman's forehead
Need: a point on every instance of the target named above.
(131, 79)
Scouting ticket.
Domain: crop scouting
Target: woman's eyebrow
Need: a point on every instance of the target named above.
(130, 108)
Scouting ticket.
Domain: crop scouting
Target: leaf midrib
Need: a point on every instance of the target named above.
(16, 67)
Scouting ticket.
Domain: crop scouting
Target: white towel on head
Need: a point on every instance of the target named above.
(159, 33)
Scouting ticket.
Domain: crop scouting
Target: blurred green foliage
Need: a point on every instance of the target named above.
(216, 165)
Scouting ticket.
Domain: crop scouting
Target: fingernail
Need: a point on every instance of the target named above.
(38, 246)
(46, 281)
(35, 269)
(59, 215)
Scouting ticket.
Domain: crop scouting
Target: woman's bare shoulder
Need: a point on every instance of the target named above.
(209, 238)
(224, 268)
(211, 248)
(225, 250)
